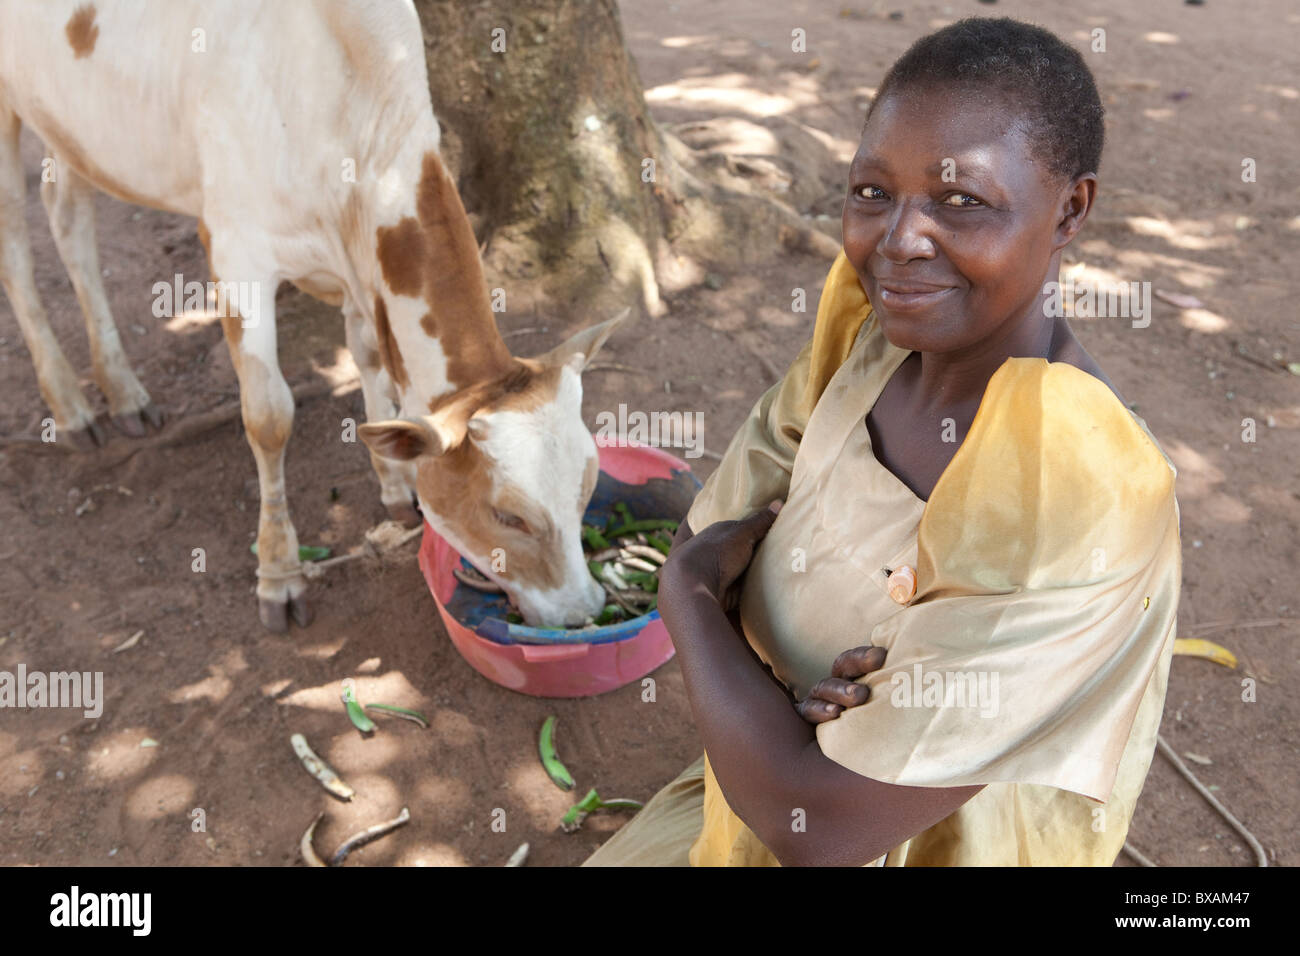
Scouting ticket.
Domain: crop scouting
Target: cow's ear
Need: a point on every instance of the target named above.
(587, 343)
(404, 439)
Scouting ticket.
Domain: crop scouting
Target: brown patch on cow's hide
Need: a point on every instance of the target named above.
(389, 353)
(231, 325)
(82, 31)
(435, 257)
(233, 328)
(454, 486)
(530, 392)
(524, 387)
(401, 256)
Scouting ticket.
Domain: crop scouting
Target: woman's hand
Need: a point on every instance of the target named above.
(717, 557)
(829, 698)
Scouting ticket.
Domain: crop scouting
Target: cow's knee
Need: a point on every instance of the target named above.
(266, 405)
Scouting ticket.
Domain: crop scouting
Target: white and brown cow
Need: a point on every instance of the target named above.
(249, 116)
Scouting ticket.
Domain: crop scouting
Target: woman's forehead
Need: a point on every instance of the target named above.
(913, 130)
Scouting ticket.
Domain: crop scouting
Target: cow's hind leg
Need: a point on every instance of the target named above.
(396, 482)
(266, 402)
(73, 416)
(70, 204)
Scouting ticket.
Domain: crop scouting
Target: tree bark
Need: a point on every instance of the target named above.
(572, 186)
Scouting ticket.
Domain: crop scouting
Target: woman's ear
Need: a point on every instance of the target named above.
(1076, 202)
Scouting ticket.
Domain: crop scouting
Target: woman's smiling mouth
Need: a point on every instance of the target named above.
(899, 296)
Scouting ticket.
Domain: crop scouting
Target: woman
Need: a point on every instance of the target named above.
(951, 646)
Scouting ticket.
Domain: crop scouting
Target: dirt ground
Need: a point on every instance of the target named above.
(1190, 91)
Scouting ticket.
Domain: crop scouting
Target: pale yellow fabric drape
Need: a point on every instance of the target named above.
(760, 456)
(1033, 657)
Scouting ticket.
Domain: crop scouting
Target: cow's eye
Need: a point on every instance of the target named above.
(511, 520)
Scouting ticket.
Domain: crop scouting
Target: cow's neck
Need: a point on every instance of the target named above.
(433, 320)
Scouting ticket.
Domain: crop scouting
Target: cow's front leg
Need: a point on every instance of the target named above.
(396, 479)
(267, 407)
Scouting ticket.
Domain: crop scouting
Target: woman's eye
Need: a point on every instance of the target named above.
(870, 192)
(510, 520)
(963, 200)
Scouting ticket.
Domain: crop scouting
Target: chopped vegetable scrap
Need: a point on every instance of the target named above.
(319, 769)
(572, 821)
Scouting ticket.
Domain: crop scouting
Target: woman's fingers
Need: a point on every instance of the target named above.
(738, 540)
(858, 661)
(829, 698)
(843, 692)
(718, 556)
(817, 711)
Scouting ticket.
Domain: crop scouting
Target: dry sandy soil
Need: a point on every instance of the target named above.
(1190, 91)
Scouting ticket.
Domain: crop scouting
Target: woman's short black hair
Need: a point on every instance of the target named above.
(1033, 68)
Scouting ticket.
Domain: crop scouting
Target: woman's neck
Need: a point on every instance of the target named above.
(945, 379)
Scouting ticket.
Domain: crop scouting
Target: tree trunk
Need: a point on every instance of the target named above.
(577, 194)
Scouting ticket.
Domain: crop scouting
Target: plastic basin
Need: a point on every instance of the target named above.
(554, 662)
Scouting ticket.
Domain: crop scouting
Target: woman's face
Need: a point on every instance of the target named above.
(951, 222)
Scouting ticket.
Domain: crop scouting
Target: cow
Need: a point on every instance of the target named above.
(301, 136)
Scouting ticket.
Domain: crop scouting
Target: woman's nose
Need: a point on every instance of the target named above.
(908, 235)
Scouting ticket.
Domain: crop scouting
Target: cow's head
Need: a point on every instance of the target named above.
(504, 471)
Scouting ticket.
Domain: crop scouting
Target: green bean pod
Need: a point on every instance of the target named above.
(558, 773)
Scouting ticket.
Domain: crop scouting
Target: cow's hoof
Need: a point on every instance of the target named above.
(405, 513)
(300, 610)
(86, 439)
(132, 423)
(275, 614)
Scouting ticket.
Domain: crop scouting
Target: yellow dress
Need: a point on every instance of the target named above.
(1033, 657)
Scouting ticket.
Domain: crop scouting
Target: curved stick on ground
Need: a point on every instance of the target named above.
(1137, 854)
(1261, 858)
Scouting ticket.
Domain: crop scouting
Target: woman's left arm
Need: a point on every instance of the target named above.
(804, 807)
